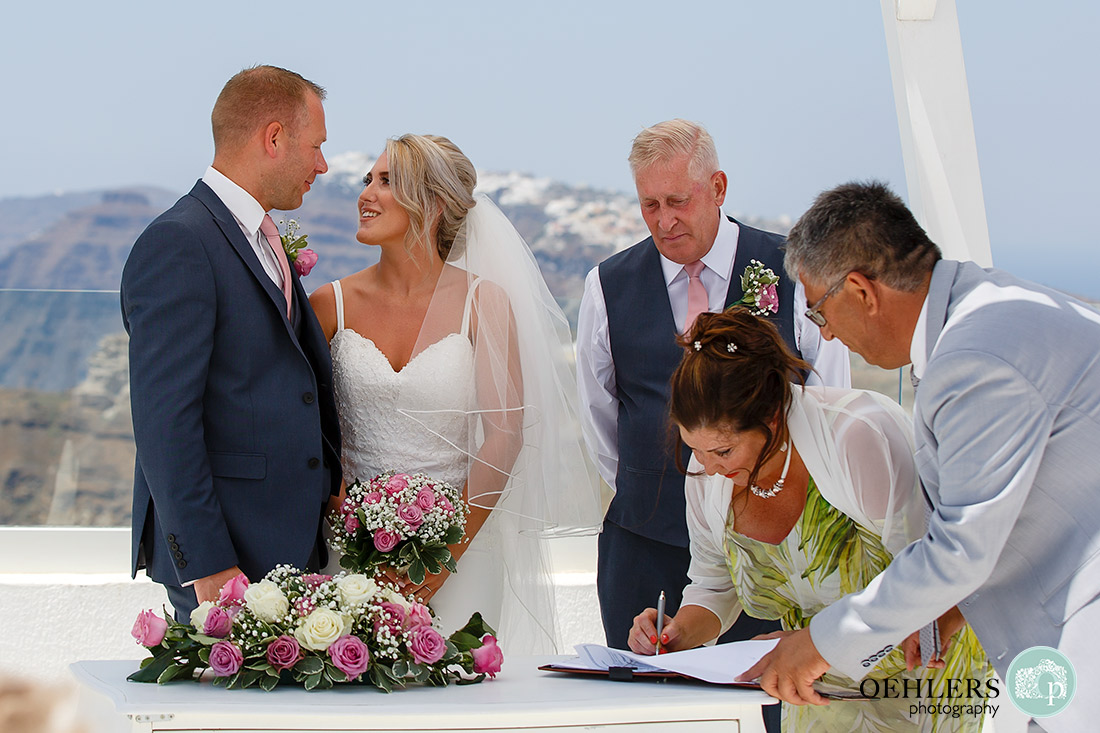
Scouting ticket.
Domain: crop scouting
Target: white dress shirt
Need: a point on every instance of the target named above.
(249, 215)
(599, 405)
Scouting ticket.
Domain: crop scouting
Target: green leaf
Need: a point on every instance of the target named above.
(172, 672)
(400, 668)
(379, 680)
(268, 683)
(464, 640)
(416, 572)
(312, 680)
(251, 677)
(310, 665)
(473, 681)
(454, 535)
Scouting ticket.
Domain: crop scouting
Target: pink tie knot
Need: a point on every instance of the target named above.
(693, 269)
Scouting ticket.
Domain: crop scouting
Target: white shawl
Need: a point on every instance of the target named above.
(857, 446)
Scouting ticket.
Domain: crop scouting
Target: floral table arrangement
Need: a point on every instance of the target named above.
(400, 520)
(316, 631)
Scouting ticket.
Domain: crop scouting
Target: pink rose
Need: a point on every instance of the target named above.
(284, 653)
(395, 611)
(218, 624)
(225, 659)
(385, 540)
(391, 619)
(425, 499)
(351, 523)
(426, 645)
(314, 580)
(397, 483)
(419, 615)
(233, 591)
(445, 504)
(487, 657)
(305, 261)
(411, 515)
(372, 497)
(768, 299)
(149, 629)
(350, 656)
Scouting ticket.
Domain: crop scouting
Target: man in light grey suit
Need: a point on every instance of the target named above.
(1007, 423)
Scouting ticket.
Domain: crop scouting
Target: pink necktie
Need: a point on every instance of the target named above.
(267, 226)
(697, 293)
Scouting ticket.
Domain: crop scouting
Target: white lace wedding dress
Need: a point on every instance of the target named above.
(379, 435)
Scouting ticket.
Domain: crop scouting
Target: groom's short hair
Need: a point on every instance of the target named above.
(672, 139)
(256, 97)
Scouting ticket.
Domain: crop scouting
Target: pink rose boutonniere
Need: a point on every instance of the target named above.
(758, 283)
(300, 256)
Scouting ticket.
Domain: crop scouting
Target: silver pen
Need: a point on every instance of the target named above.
(660, 620)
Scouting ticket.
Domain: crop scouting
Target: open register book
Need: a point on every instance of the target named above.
(719, 664)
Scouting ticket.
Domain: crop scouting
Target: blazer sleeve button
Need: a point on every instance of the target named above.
(173, 547)
(181, 564)
(171, 538)
(308, 398)
(179, 555)
(314, 463)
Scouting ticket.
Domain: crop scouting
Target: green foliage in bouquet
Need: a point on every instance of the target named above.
(316, 631)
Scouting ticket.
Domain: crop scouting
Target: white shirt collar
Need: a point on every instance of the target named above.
(918, 351)
(718, 258)
(244, 208)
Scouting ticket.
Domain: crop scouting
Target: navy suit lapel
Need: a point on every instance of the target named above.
(233, 234)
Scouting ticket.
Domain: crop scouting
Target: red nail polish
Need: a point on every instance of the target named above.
(664, 638)
(653, 639)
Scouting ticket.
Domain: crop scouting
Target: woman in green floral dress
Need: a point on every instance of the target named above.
(797, 496)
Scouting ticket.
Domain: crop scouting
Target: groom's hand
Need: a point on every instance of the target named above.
(209, 588)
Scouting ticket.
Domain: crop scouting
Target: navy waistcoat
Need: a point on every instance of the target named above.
(649, 497)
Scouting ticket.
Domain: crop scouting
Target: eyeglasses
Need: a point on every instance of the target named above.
(814, 311)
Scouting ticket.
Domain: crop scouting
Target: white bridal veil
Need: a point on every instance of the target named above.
(526, 460)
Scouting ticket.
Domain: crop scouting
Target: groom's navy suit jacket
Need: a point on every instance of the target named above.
(236, 428)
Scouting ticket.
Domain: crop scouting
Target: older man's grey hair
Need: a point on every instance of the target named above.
(860, 227)
(669, 140)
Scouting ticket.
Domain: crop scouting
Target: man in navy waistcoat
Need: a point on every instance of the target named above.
(635, 304)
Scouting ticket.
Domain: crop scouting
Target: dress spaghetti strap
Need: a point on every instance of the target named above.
(339, 305)
(468, 308)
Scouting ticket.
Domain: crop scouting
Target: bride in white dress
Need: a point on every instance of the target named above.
(450, 359)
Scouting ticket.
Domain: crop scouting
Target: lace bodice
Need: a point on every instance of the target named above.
(378, 406)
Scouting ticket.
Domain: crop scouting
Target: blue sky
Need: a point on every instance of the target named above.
(797, 95)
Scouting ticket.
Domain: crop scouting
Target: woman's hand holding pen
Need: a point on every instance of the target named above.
(643, 634)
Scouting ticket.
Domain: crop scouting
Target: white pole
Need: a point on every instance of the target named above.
(937, 130)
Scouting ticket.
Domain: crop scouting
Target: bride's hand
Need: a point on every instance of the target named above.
(334, 502)
(430, 586)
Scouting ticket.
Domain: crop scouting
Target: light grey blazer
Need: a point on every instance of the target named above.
(1007, 427)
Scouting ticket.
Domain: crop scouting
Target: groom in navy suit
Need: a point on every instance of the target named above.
(238, 444)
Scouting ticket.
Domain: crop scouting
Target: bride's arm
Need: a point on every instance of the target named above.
(499, 405)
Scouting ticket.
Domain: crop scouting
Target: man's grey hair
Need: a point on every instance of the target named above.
(672, 139)
(861, 227)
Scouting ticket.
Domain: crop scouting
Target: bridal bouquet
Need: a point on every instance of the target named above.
(402, 520)
(317, 631)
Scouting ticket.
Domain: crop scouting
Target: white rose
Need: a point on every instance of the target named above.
(394, 597)
(267, 601)
(320, 628)
(198, 616)
(356, 589)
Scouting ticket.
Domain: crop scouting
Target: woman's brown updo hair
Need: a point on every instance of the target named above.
(736, 374)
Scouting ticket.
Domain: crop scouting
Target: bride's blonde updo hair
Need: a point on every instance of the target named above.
(433, 181)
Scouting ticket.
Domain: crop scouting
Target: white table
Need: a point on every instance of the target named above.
(520, 698)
